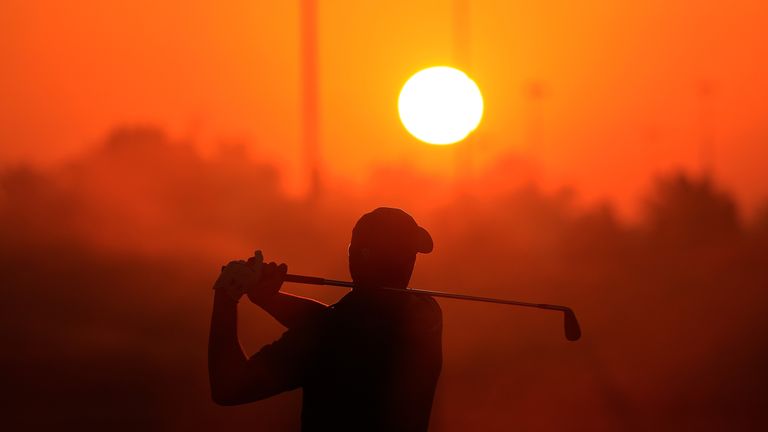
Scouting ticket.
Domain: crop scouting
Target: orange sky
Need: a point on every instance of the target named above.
(621, 82)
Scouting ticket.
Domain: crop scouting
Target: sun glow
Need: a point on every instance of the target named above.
(440, 105)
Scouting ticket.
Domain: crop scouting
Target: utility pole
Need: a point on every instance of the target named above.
(462, 151)
(461, 34)
(534, 94)
(310, 109)
(706, 135)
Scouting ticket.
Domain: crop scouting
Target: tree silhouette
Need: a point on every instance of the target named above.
(684, 210)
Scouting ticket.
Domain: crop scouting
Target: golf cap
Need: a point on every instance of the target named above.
(387, 226)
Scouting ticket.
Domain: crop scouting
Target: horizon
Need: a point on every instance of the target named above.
(487, 184)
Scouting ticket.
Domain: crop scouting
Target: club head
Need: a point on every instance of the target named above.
(572, 329)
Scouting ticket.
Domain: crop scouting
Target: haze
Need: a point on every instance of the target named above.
(629, 90)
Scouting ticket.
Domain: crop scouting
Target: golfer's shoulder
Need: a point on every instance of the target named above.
(426, 303)
(425, 310)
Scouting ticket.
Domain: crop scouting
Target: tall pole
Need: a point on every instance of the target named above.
(534, 93)
(462, 152)
(706, 135)
(310, 96)
(461, 33)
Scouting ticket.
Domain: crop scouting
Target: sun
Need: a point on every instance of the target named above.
(440, 105)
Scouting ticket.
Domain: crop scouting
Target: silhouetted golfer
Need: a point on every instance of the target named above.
(369, 362)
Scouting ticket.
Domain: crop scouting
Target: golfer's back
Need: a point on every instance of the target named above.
(376, 364)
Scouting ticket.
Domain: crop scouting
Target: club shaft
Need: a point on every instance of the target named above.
(312, 280)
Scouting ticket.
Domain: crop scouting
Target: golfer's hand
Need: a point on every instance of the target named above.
(238, 277)
(272, 276)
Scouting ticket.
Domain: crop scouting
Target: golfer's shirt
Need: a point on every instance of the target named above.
(370, 362)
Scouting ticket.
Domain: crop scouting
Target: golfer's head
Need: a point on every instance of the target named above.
(384, 247)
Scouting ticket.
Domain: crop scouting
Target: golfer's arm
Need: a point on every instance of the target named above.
(233, 379)
(292, 310)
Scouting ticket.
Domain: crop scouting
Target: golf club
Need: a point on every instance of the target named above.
(572, 329)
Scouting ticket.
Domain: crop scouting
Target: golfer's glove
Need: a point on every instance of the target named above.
(237, 276)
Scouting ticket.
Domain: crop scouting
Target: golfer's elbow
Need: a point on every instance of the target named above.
(226, 395)
(225, 386)
(231, 392)
(224, 400)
